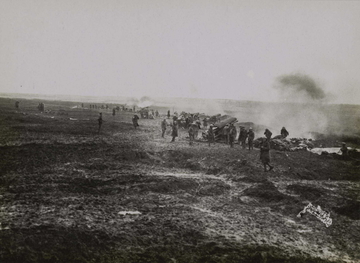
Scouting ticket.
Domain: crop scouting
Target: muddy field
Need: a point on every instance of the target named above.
(68, 194)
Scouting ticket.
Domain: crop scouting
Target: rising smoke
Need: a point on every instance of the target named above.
(299, 87)
(301, 107)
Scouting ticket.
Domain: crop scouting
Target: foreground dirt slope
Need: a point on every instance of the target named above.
(71, 195)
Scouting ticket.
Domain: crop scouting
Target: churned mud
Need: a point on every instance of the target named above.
(68, 194)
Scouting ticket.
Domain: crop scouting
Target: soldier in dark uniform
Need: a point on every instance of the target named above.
(211, 135)
(174, 132)
(268, 134)
(242, 137)
(100, 121)
(205, 123)
(251, 137)
(168, 114)
(113, 112)
(135, 121)
(226, 134)
(344, 151)
(163, 127)
(265, 154)
(284, 133)
(191, 133)
(232, 135)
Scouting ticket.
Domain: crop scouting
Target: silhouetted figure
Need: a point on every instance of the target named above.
(100, 121)
(242, 137)
(211, 135)
(168, 114)
(226, 134)
(344, 151)
(191, 134)
(251, 136)
(284, 133)
(174, 132)
(163, 127)
(232, 135)
(17, 104)
(135, 121)
(113, 112)
(268, 134)
(265, 154)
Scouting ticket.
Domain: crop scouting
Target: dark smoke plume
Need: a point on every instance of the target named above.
(300, 83)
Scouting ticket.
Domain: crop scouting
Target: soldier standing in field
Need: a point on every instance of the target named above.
(226, 134)
(265, 154)
(232, 134)
(344, 151)
(135, 121)
(163, 127)
(268, 134)
(251, 137)
(242, 137)
(168, 114)
(205, 123)
(174, 132)
(100, 121)
(191, 133)
(211, 135)
(284, 133)
(113, 112)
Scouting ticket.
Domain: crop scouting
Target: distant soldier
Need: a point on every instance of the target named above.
(135, 121)
(187, 122)
(17, 104)
(232, 135)
(284, 133)
(174, 132)
(226, 134)
(205, 123)
(251, 137)
(268, 134)
(100, 121)
(168, 114)
(344, 151)
(113, 112)
(242, 137)
(265, 154)
(163, 127)
(156, 113)
(41, 107)
(192, 133)
(211, 135)
(198, 124)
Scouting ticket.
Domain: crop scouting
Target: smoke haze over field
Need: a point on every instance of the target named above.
(295, 85)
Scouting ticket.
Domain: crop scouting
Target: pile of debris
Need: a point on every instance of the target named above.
(287, 144)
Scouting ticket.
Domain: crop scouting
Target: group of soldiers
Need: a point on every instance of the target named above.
(229, 135)
(41, 107)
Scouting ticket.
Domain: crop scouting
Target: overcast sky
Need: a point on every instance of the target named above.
(206, 49)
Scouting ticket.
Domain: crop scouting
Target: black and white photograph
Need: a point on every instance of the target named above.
(221, 131)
